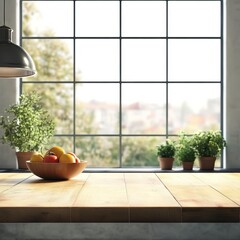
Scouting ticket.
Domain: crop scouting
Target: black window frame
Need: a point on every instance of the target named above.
(120, 82)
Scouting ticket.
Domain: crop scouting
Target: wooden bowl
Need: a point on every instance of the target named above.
(56, 171)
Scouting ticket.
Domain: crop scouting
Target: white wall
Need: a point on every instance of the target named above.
(9, 88)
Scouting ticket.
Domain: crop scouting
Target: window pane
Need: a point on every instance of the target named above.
(143, 60)
(98, 151)
(79, 42)
(194, 18)
(97, 18)
(143, 18)
(48, 18)
(58, 100)
(194, 60)
(97, 108)
(143, 108)
(140, 151)
(194, 107)
(51, 65)
(97, 60)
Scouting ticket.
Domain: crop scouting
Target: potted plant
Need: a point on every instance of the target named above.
(27, 127)
(208, 145)
(166, 153)
(185, 152)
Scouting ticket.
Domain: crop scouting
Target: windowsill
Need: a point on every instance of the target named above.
(137, 170)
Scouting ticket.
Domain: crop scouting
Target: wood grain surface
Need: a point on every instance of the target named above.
(121, 197)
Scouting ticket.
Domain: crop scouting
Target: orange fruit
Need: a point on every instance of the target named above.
(36, 157)
(67, 158)
(58, 151)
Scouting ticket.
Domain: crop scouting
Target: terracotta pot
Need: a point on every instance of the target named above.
(187, 165)
(22, 157)
(207, 163)
(166, 163)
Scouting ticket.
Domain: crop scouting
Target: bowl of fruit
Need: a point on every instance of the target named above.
(56, 164)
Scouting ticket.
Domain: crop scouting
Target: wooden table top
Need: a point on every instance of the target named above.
(121, 197)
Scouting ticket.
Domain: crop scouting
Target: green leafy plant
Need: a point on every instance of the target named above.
(208, 143)
(166, 149)
(27, 126)
(185, 151)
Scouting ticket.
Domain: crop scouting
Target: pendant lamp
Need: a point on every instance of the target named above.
(14, 60)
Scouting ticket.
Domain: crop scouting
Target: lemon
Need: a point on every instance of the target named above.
(58, 151)
(36, 157)
(67, 158)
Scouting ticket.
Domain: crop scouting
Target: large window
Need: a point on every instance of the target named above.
(122, 76)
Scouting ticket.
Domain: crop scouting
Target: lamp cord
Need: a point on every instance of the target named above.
(4, 10)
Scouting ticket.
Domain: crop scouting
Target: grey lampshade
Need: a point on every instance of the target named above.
(14, 60)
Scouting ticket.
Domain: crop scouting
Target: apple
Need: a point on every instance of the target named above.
(50, 159)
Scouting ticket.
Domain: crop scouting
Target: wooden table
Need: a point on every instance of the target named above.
(121, 197)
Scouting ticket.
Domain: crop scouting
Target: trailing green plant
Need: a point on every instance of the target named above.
(185, 151)
(208, 143)
(166, 149)
(27, 126)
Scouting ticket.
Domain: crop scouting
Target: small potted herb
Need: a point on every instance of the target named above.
(27, 127)
(208, 145)
(166, 152)
(185, 152)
